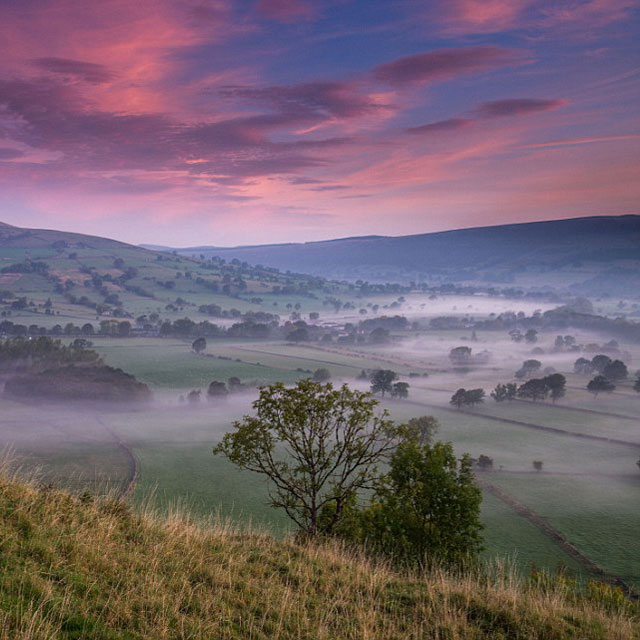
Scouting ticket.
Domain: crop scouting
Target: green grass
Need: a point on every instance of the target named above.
(188, 474)
(598, 514)
(170, 364)
(509, 535)
(93, 569)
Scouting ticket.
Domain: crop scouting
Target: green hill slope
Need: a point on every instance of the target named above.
(54, 277)
(93, 569)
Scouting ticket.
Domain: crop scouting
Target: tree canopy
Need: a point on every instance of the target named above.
(382, 381)
(600, 384)
(425, 509)
(317, 445)
(199, 344)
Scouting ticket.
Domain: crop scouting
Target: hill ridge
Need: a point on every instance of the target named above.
(583, 248)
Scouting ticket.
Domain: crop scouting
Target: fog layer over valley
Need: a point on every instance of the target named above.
(123, 368)
(569, 461)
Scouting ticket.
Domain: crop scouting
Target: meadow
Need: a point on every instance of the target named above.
(586, 489)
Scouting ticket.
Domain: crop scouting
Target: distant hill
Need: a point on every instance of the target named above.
(588, 254)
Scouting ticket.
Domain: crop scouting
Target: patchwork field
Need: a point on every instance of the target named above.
(585, 494)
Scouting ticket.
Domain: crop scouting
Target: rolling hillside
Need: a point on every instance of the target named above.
(52, 277)
(93, 568)
(589, 255)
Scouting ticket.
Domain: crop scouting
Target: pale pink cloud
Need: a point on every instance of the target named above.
(460, 17)
(121, 49)
(479, 16)
(591, 13)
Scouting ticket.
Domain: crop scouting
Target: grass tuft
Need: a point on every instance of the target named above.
(94, 568)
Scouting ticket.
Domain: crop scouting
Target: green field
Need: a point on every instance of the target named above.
(588, 489)
(171, 364)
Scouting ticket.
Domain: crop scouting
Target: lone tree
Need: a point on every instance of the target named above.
(193, 397)
(199, 345)
(460, 356)
(467, 397)
(217, 390)
(528, 368)
(556, 383)
(235, 384)
(400, 390)
(457, 399)
(600, 385)
(321, 375)
(382, 381)
(423, 429)
(318, 445)
(473, 397)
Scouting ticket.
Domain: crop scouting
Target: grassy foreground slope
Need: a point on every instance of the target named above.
(93, 568)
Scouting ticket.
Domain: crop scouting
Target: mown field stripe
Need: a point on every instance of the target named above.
(529, 425)
(284, 355)
(556, 536)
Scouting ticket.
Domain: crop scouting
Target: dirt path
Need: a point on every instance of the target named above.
(556, 536)
(132, 463)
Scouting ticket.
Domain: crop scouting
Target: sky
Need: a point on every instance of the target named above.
(227, 122)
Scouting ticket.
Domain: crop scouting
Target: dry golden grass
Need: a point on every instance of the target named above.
(90, 568)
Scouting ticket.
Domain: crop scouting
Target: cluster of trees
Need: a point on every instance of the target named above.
(109, 327)
(93, 382)
(28, 266)
(185, 327)
(535, 389)
(613, 370)
(321, 449)
(530, 335)
(504, 392)
(217, 390)
(553, 386)
(384, 381)
(565, 343)
(463, 357)
(467, 398)
(44, 353)
(528, 368)
(608, 371)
